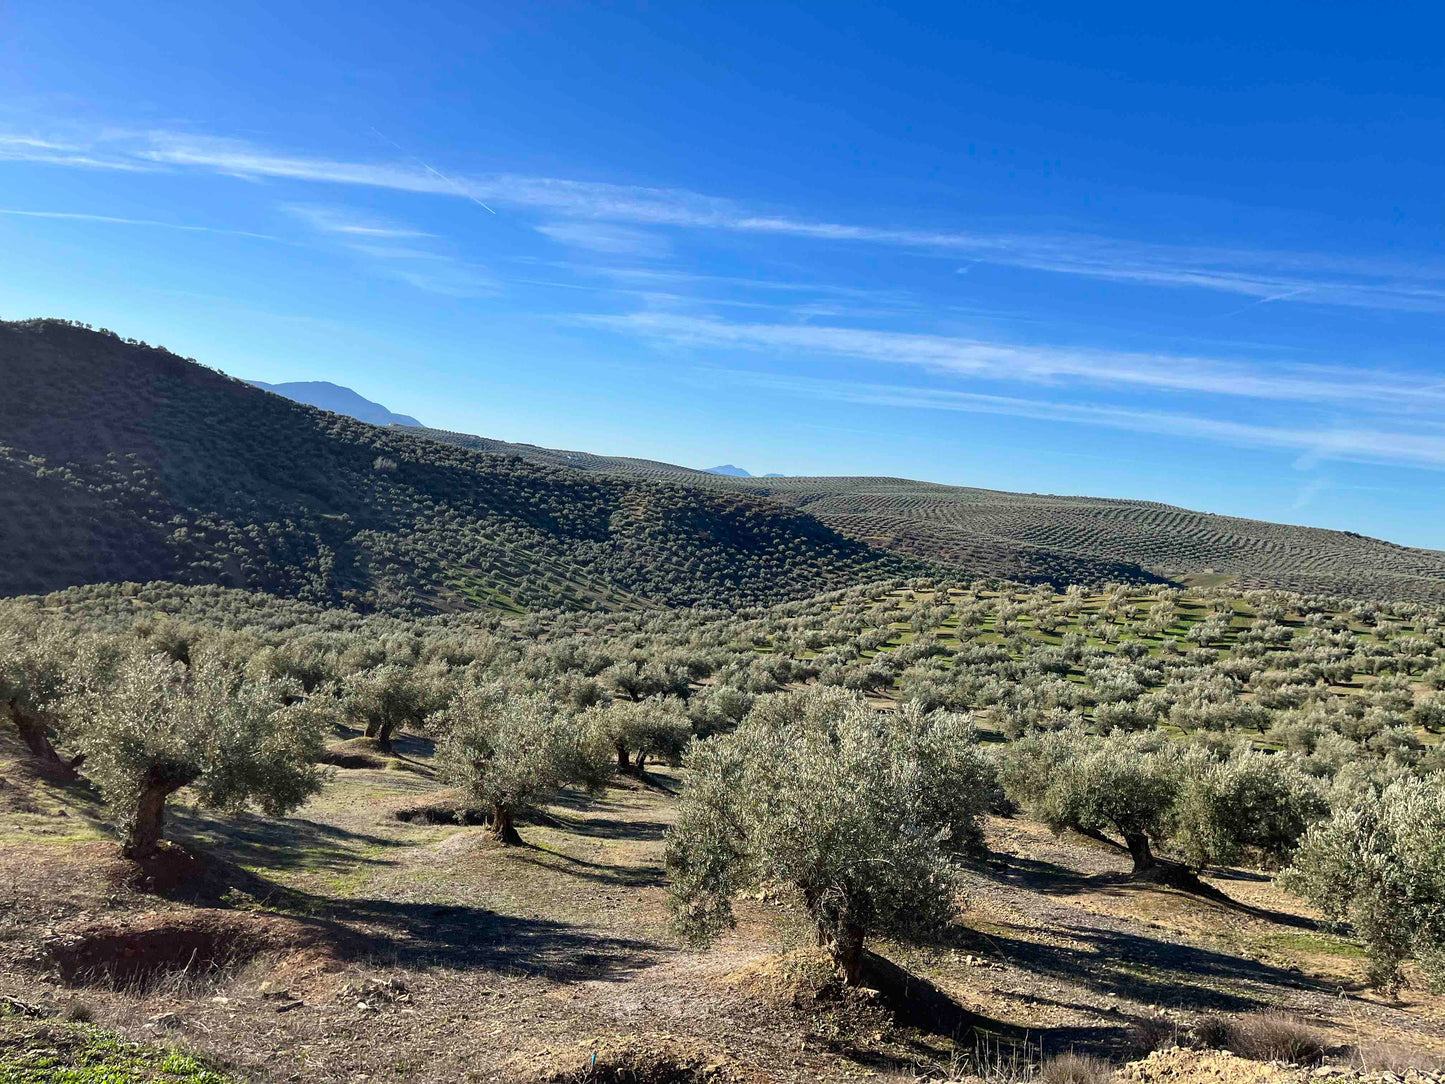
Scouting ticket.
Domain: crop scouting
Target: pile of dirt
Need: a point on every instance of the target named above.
(356, 753)
(154, 947)
(1180, 1065)
(631, 1059)
(803, 978)
(441, 807)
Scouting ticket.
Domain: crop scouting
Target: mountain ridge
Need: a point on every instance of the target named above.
(338, 399)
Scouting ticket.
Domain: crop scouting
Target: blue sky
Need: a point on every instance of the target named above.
(1184, 254)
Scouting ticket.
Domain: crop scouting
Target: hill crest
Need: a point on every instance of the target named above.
(338, 399)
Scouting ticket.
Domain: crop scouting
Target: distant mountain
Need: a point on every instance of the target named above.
(728, 470)
(774, 475)
(338, 400)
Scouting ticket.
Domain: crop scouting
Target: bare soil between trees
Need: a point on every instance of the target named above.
(348, 943)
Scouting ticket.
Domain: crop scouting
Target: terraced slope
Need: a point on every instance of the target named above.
(1029, 536)
(122, 462)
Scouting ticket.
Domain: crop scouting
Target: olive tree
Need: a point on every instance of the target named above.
(390, 698)
(149, 726)
(32, 678)
(858, 811)
(1125, 783)
(1249, 801)
(655, 727)
(1379, 864)
(510, 751)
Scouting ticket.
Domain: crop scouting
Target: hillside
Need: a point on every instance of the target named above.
(1031, 536)
(122, 462)
(338, 400)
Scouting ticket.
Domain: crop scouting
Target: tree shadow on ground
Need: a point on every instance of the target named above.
(613, 828)
(1146, 969)
(600, 872)
(423, 935)
(415, 934)
(926, 1014)
(291, 844)
(1051, 879)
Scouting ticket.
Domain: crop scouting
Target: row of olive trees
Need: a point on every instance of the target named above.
(1148, 790)
(146, 724)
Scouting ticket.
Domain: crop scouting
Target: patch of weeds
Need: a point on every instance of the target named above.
(1266, 1036)
(1295, 943)
(1075, 1069)
(82, 1054)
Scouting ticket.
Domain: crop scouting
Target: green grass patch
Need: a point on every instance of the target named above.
(49, 1053)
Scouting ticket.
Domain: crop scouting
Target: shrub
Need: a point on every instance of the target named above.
(855, 810)
(1075, 1069)
(1266, 1036)
(1379, 863)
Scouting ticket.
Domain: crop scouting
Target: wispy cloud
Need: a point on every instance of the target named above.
(113, 220)
(608, 239)
(395, 250)
(342, 220)
(1350, 443)
(1308, 492)
(1277, 277)
(1033, 363)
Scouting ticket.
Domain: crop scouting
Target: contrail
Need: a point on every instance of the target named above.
(435, 172)
(1272, 297)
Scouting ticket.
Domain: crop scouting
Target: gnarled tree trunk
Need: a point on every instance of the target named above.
(845, 946)
(33, 727)
(147, 826)
(502, 828)
(623, 764)
(1140, 851)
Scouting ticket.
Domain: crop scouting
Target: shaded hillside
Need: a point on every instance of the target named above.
(1027, 536)
(123, 462)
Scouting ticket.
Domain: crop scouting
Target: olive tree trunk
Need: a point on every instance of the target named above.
(33, 727)
(382, 733)
(623, 764)
(148, 822)
(502, 828)
(1140, 851)
(845, 946)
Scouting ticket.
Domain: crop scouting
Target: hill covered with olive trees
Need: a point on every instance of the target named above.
(123, 462)
(1039, 536)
